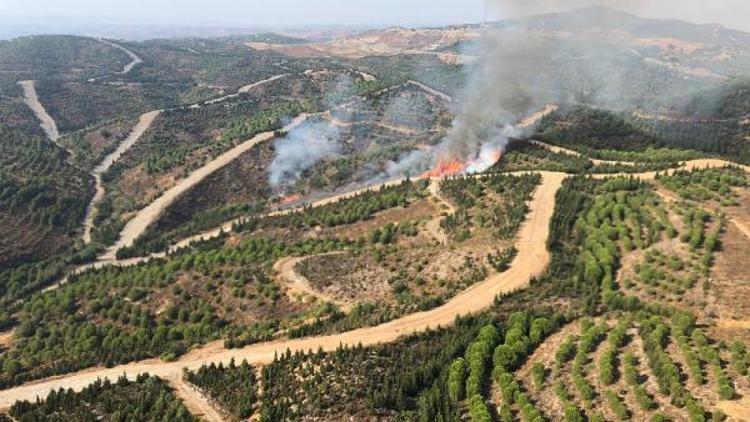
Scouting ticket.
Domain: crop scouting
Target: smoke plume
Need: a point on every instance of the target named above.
(300, 150)
(596, 56)
(310, 143)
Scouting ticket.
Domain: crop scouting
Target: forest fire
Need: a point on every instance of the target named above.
(447, 167)
(290, 199)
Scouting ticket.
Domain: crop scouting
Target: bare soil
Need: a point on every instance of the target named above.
(195, 401)
(532, 259)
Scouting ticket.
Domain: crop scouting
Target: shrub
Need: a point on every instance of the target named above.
(607, 364)
(478, 409)
(632, 376)
(644, 400)
(456, 380)
(573, 414)
(539, 373)
(566, 351)
(616, 405)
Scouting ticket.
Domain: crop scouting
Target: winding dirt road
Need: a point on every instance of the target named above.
(532, 260)
(135, 60)
(148, 215)
(431, 90)
(565, 151)
(243, 90)
(144, 123)
(298, 284)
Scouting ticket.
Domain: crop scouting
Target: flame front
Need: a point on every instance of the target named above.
(445, 167)
(452, 166)
(290, 199)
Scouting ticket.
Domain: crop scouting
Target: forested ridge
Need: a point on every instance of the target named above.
(625, 323)
(42, 196)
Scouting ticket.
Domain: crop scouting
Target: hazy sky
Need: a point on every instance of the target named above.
(732, 13)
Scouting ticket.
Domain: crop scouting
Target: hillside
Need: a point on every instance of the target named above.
(538, 219)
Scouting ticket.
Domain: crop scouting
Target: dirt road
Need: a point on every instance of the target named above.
(195, 401)
(135, 60)
(431, 90)
(690, 165)
(433, 226)
(243, 90)
(394, 128)
(144, 123)
(6, 338)
(110, 260)
(565, 151)
(297, 284)
(227, 227)
(532, 259)
(148, 215)
(47, 123)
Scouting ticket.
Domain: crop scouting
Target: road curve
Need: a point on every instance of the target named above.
(532, 260)
(431, 90)
(134, 59)
(298, 284)
(144, 123)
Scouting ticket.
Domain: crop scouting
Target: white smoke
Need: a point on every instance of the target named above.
(312, 142)
(300, 150)
(524, 66)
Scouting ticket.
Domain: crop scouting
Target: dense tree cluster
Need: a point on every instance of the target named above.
(383, 379)
(43, 197)
(104, 317)
(593, 129)
(235, 387)
(477, 206)
(145, 399)
(619, 216)
(706, 185)
(60, 56)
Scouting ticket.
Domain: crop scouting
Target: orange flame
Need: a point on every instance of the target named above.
(290, 199)
(452, 166)
(445, 168)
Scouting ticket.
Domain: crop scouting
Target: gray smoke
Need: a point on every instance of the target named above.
(597, 57)
(300, 150)
(310, 143)
(500, 90)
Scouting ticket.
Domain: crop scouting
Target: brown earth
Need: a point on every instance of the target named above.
(531, 260)
(195, 401)
(298, 285)
(387, 42)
